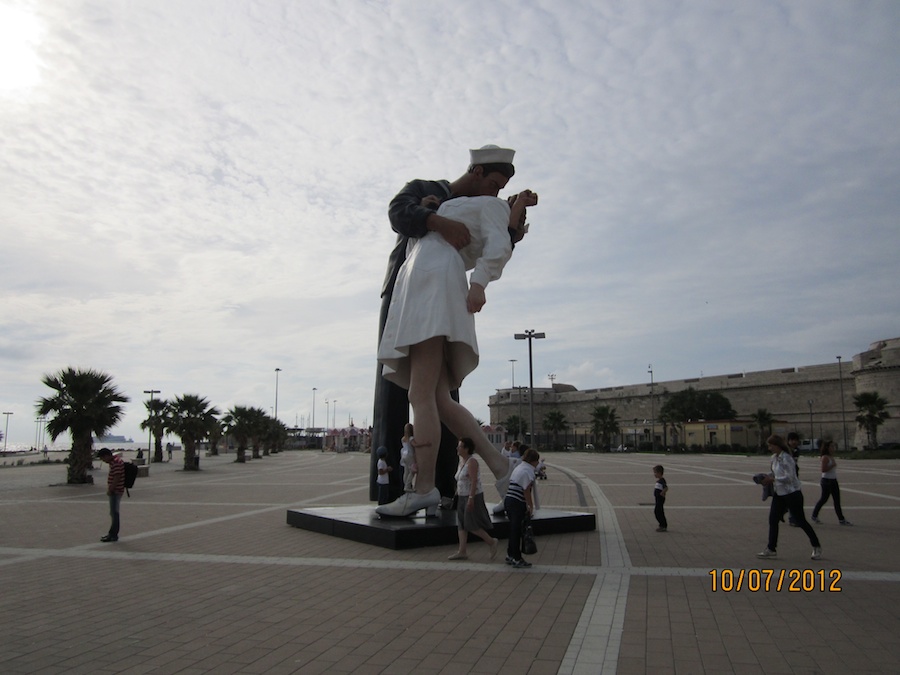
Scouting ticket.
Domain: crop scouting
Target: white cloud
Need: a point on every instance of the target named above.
(192, 194)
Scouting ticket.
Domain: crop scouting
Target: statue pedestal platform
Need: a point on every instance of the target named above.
(362, 524)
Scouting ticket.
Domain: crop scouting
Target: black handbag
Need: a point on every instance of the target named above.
(529, 547)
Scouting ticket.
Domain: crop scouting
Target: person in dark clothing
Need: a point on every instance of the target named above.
(115, 488)
(659, 496)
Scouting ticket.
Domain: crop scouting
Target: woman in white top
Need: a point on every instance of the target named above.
(471, 511)
(829, 484)
(428, 345)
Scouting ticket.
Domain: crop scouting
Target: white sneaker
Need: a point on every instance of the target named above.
(817, 553)
(768, 553)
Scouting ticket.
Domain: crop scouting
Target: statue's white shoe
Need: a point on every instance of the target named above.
(409, 503)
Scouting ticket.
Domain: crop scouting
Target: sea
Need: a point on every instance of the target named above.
(63, 446)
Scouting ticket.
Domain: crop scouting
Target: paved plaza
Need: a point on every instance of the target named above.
(208, 577)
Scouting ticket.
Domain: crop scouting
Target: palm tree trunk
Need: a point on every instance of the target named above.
(189, 452)
(157, 448)
(80, 461)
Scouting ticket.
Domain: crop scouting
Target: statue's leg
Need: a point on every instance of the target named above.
(425, 364)
(462, 423)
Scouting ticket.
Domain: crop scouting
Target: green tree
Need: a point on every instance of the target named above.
(276, 436)
(605, 424)
(872, 409)
(156, 424)
(763, 420)
(690, 404)
(215, 433)
(554, 422)
(191, 418)
(86, 404)
(516, 426)
(239, 425)
(259, 429)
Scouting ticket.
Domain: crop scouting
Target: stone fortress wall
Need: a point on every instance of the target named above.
(786, 393)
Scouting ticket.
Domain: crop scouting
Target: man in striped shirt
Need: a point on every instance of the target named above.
(115, 488)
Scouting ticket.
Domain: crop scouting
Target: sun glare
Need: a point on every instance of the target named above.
(20, 33)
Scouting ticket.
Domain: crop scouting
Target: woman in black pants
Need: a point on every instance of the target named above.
(829, 484)
(519, 504)
(787, 498)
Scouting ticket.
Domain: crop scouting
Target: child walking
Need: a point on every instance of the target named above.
(408, 459)
(659, 495)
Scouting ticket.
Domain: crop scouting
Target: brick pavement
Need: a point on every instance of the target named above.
(207, 577)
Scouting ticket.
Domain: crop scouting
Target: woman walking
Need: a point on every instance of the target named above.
(471, 512)
(829, 485)
(787, 498)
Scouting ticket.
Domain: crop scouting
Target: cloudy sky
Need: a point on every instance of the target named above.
(194, 192)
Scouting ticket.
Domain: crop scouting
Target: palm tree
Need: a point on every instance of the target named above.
(191, 418)
(605, 424)
(872, 414)
(516, 426)
(216, 432)
(85, 404)
(156, 423)
(259, 428)
(554, 422)
(276, 435)
(763, 420)
(239, 425)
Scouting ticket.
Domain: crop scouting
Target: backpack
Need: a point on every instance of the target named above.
(131, 474)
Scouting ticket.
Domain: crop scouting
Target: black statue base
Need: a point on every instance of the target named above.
(362, 524)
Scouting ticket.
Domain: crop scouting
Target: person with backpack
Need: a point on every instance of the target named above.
(115, 488)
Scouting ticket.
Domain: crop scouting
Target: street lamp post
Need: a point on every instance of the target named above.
(530, 335)
(6, 432)
(275, 415)
(811, 432)
(652, 411)
(313, 424)
(333, 413)
(325, 435)
(150, 426)
(843, 418)
(512, 363)
(43, 435)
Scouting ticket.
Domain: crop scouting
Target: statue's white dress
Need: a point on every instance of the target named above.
(429, 298)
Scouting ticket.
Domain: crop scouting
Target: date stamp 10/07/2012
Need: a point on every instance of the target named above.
(764, 581)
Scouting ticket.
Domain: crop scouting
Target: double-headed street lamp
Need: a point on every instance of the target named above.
(530, 335)
(512, 363)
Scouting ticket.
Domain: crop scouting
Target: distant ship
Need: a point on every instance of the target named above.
(113, 439)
